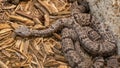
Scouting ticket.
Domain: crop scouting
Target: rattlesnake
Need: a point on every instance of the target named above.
(81, 29)
(102, 47)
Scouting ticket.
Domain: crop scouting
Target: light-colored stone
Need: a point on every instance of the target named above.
(108, 12)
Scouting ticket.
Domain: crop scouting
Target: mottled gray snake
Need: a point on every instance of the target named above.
(81, 35)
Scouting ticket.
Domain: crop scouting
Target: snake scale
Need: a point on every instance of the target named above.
(82, 36)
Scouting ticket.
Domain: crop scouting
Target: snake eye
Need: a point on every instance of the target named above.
(19, 32)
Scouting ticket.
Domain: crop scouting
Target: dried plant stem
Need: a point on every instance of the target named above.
(43, 10)
(3, 65)
(24, 14)
(22, 19)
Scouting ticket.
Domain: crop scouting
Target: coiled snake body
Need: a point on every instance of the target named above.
(81, 35)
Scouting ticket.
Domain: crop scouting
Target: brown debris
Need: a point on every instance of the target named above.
(24, 14)
(57, 36)
(51, 9)
(30, 52)
(47, 20)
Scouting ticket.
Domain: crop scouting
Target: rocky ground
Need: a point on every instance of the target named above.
(108, 12)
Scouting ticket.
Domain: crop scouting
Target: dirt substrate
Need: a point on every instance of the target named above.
(31, 52)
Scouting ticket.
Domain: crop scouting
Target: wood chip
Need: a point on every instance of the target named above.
(31, 52)
(37, 21)
(9, 7)
(57, 36)
(60, 58)
(39, 26)
(47, 20)
(51, 63)
(49, 8)
(5, 30)
(22, 19)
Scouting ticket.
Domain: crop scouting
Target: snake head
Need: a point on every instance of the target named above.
(23, 31)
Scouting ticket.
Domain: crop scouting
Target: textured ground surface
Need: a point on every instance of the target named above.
(32, 52)
(107, 11)
(94, 37)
